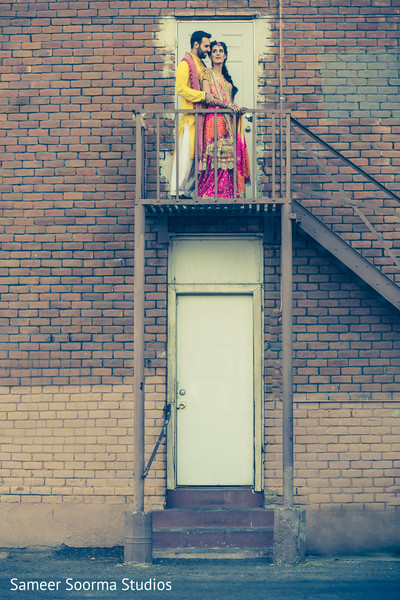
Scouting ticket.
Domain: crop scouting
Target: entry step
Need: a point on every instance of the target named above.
(214, 498)
(213, 553)
(212, 538)
(230, 532)
(247, 518)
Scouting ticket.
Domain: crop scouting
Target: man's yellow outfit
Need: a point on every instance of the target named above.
(186, 132)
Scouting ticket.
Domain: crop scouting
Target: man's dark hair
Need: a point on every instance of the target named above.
(198, 36)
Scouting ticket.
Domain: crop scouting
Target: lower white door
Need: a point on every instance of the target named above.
(215, 398)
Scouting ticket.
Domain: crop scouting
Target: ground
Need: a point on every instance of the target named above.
(88, 574)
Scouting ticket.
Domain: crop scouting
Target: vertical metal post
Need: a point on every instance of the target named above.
(287, 334)
(139, 156)
(235, 177)
(177, 188)
(273, 156)
(196, 156)
(138, 334)
(138, 524)
(138, 338)
(288, 177)
(158, 155)
(216, 154)
(253, 156)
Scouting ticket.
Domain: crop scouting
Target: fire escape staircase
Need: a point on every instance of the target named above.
(360, 232)
(367, 268)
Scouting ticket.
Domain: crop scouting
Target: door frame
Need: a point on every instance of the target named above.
(213, 23)
(253, 290)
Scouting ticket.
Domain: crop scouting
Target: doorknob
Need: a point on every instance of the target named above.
(248, 128)
(181, 406)
(249, 117)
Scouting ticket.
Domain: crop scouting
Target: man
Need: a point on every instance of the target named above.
(189, 75)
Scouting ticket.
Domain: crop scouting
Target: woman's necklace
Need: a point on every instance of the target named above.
(218, 74)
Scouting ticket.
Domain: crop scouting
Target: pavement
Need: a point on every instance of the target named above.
(74, 575)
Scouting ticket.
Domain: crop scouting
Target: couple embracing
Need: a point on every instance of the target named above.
(200, 87)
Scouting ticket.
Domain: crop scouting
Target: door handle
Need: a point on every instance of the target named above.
(181, 406)
(247, 129)
(249, 117)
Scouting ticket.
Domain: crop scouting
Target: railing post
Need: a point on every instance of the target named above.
(273, 161)
(288, 178)
(139, 156)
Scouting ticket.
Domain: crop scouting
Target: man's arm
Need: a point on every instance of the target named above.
(182, 88)
(210, 99)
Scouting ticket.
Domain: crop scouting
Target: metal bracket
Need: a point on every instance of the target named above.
(167, 416)
(270, 230)
(162, 230)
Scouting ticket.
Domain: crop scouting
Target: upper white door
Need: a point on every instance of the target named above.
(239, 38)
(215, 400)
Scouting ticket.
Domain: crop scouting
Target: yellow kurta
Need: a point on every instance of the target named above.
(188, 95)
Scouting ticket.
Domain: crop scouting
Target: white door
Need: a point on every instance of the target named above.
(239, 38)
(215, 416)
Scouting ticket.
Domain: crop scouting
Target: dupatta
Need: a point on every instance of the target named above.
(195, 85)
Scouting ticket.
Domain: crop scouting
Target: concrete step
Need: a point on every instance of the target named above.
(227, 532)
(214, 498)
(212, 553)
(213, 538)
(178, 518)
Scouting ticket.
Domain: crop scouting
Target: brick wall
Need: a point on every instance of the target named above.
(345, 454)
(341, 63)
(66, 211)
(71, 75)
(66, 443)
(346, 377)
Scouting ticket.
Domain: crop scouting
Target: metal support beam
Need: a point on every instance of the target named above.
(287, 353)
(138, 524)
(347, 255)
(138, 338)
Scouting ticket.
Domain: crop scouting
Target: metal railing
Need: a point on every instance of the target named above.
(346, 198)
(268, 143)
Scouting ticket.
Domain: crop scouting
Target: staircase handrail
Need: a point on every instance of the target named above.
(322, 142)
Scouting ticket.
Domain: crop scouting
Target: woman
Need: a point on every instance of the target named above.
(218, 82)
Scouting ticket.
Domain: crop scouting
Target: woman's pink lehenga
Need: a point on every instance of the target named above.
(225, 149)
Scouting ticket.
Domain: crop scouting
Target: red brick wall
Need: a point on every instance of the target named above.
(346, 378)
(67, 192)
(341, 80)
(72, 72)
(71, 75)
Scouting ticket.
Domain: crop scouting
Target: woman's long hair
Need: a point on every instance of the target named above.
(225, 71)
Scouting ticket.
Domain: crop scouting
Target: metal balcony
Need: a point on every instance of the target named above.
(268, 142)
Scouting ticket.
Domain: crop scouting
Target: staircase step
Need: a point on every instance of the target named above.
(213, 553)
(214, 498)
(213, 532)
(178, 518)
(213, 538)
